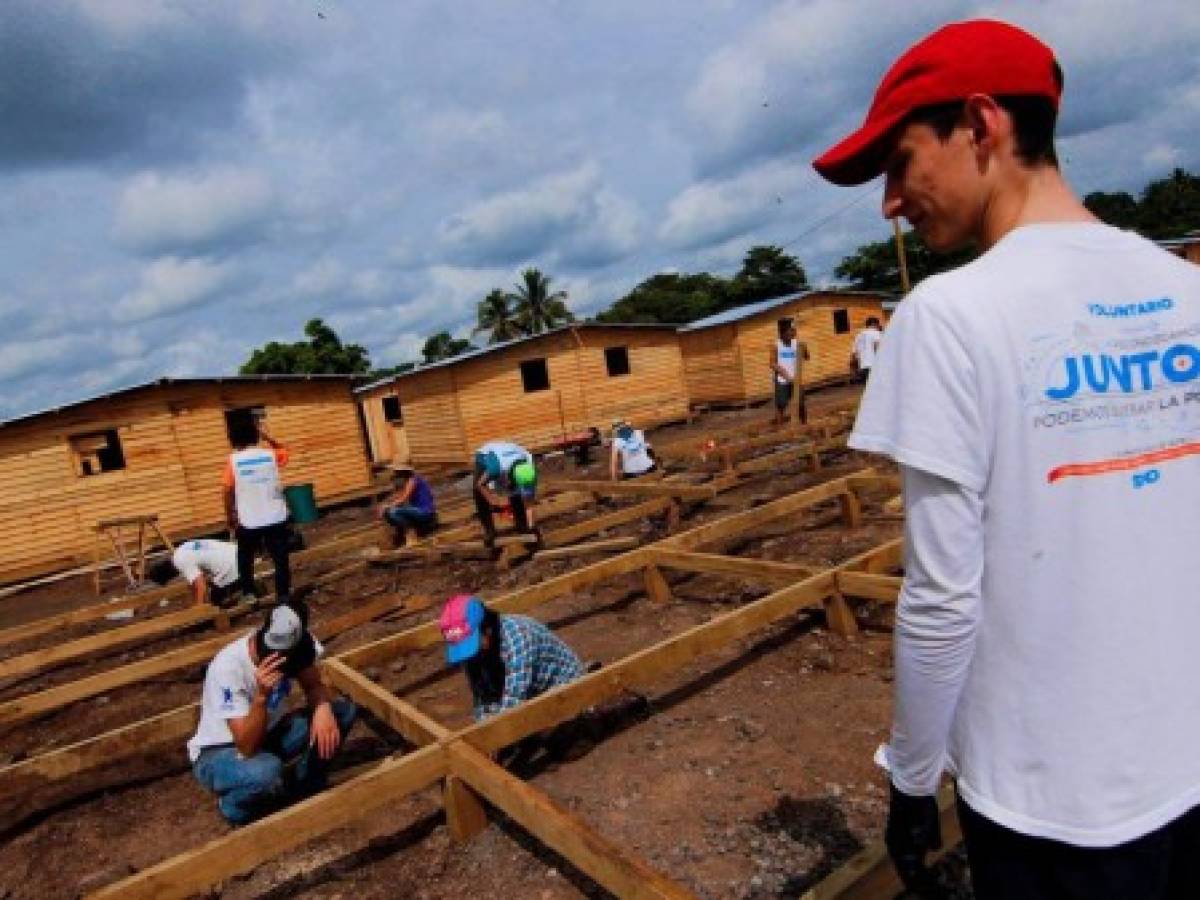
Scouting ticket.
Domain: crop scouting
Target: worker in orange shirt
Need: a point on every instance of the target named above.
(254, 504)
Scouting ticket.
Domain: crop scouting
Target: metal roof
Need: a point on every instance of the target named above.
(738, 313)
(505, 345)
(170, 382)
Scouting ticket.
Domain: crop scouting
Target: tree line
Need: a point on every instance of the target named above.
(1168, 207)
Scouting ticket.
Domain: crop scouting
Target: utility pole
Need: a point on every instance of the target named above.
(904, 285)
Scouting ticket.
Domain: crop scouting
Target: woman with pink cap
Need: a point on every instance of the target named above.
(507, 659)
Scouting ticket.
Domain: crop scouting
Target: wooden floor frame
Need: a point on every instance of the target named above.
(459, 761)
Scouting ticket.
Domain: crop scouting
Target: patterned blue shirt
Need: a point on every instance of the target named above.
(535, 661)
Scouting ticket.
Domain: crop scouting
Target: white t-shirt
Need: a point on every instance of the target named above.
(785, 355)
(216, 559)
(1058, 378)
(866, 345)
(257, 489)
(229, 689)
(635, 459)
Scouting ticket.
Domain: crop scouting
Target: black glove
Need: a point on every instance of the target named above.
(914, 828)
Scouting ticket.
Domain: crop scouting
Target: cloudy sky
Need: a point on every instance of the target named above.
(182, 180)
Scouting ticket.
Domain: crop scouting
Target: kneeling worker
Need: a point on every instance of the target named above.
(505, 480)
(411, 506)
(507, 659)
(631, 454)
(210, 567)
(246, 749)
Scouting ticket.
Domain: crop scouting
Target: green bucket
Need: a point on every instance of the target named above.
(301, 503)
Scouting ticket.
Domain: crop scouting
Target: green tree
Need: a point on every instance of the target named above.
(874, 267)
(768, 272)
(670, 298)
(537, 308)
(442, 346)
(1170, 207)
(392, 370)
(322, 354)
(1119, 209)
(496, 316)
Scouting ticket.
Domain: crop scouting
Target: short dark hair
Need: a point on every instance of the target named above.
(243, 433)
(784, 324)
(871, 320)
(1033, 117)
(162, 571)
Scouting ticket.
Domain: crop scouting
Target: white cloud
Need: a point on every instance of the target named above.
(710, 212)
(572, 212)
(1161, 156)
(169, 285)
(321, 279)
(22, 358)
(191, 213)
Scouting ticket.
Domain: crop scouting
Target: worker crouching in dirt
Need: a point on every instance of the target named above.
(505, 481)
(631, 453)
(250, 752)
(210, 568)
(411, 507)
(507, 659)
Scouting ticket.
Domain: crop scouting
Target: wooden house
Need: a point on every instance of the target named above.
(537, 391)
(726, 356)
(159, 449)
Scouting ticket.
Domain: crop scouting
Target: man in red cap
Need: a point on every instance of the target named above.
(1043, 403)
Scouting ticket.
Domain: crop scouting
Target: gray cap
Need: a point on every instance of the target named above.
(283, 630)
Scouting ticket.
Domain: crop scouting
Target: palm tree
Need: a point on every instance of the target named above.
(537, 309)
(496, 316)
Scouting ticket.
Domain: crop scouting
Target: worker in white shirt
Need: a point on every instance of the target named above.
(209, 567)
(788, 353)
(631, 454)
(866, 347)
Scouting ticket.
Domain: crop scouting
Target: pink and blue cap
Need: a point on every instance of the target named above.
(460, 620)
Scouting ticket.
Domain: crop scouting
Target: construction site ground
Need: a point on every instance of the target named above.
(748, 775)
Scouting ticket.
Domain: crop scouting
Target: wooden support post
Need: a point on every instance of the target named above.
(851, 509)
(141, 560)
(96, 555)
(839, 616)
(657, 588)
(466, 815)
(674, 516)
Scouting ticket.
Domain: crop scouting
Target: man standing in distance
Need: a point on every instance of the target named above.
(1035, 400)
(254, 506)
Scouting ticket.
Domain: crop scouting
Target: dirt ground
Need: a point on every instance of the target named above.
(747, 775)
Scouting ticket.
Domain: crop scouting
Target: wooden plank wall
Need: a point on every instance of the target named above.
(829, 350)
(713, 365)
(175, 446)
(388, 440)
(654, 391)
(453, 409)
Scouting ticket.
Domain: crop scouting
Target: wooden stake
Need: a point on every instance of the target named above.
(465, 813)
(657, 588)
(901, 256)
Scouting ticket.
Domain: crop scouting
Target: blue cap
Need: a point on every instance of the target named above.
(460, 620)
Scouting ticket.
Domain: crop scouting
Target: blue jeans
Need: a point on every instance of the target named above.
(285, 769)
(403, 516)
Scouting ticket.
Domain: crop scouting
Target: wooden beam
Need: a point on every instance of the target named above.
(618, 871)
(569, 534)
(667, 656)
(408, 721)
(609, 545)
(735, 566)
(518, 601)
(734, 525)
(465, 813)
(96, 645)
(174, 725)
(885, 588)
(244, 849)
(657, 588)
(869, 874)
(642, 489)
(32, 705)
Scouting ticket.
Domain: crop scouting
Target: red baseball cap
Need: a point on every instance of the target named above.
(977, 57)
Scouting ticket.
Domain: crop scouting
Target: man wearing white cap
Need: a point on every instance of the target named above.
(247, 748)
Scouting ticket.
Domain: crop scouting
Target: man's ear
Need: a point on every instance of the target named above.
(985, 120)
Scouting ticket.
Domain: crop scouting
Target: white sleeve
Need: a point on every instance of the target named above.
(936, 621)
(185, 563)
